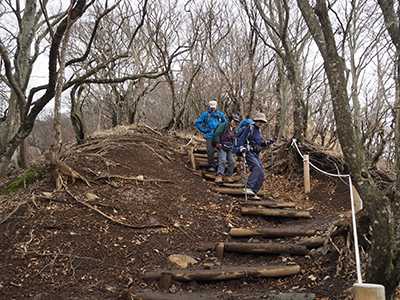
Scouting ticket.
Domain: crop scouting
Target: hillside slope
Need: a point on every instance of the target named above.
(143, 204)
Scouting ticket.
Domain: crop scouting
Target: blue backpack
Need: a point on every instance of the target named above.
(242, 126)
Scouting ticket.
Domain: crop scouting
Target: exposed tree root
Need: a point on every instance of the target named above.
(288, 160)
(58, 168)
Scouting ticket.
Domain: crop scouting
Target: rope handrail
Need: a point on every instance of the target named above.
(353, 214)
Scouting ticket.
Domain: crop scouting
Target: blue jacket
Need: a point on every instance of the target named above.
(213, 122)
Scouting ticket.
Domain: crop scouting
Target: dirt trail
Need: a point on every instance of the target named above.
(145, 203)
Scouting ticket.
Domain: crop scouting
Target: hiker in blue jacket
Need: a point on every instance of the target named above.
(250, 145)
(207, 123)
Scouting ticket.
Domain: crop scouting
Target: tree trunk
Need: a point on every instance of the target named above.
(24, 154)
(77, 121)
(281, 95)
(7, 153)
(380, 267)
(60, 82)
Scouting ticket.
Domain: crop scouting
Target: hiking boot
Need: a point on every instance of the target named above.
(218, 179)
(228, 179)
(211, 169)
(255, 197)
(248, 191)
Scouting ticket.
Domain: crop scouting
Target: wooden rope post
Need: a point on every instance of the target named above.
(306, 174)
(368, 291)
(191, 157)
(219, 251)
(166, 279)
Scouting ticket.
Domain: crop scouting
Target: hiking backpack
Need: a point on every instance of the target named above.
(205, 123)
(242, 126)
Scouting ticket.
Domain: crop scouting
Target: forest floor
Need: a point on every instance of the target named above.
(145, 203)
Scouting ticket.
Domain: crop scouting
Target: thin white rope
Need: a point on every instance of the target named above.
(353, 214)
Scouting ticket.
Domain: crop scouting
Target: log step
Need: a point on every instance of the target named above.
(271, 204)
(267, 212)
(270, 232)
(202, 149)
(233, 191)
(265, 248)
(232, 185)
(226, 273)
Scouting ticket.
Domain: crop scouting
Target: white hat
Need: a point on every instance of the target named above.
(260, 117)
(212, 104)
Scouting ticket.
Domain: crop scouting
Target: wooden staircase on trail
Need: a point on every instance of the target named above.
(250, 208)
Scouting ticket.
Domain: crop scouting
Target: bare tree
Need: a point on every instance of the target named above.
(18, 64)
(391, 268)
(120, 65)
(383, 257)
(288, 40)
(19, 80)
(242, 67)
(71, 19)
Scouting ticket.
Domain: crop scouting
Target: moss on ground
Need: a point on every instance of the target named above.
(29, 177)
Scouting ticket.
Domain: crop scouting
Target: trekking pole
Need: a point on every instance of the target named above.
(245, 180)
(272, 166)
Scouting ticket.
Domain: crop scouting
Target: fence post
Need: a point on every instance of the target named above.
(368, 291)
(306, 174)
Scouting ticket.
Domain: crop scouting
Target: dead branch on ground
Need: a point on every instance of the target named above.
(31, 199)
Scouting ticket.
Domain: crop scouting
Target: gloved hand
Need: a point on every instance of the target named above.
(218, 146)
(270, 142)
(243, 149)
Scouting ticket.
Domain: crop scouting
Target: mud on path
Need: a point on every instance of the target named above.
(143, 204)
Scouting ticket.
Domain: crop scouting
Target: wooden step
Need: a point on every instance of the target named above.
(270, 204)
(270, 232)
(226, 273)
(230, 191)
(265, 248)
(270, 212)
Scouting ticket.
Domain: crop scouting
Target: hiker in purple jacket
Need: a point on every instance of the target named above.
(223, 136)
(250, 145)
